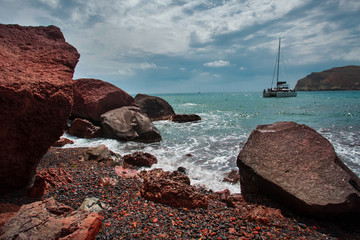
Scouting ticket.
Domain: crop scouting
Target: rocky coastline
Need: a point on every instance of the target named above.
(93, 193)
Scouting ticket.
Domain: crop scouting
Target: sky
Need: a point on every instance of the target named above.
(185, 46)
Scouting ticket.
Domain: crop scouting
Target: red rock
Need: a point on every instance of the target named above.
(51, 220)
(265, 215)
(128, 124)
(155, 108)
(49, 180)
(7, 211)
(171, 188)
(140, 159)
(126, 172)
(93, 97)
(298, 167)
(181, 118)
(84, 129)
(62, 142)
(36, 96)
(107, 181)
(232, 177)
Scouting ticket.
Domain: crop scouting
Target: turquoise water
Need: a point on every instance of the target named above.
(227, 121)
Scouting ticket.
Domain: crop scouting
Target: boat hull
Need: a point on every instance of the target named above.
(279, 94)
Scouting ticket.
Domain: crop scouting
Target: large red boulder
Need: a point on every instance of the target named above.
(140, 159)
(93, 97)
(298, 167)
(49, 219)
(171, 188)
(36, 97)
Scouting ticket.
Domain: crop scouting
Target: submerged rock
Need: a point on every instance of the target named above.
(49, 219)
(155, 108)
(93, 97)
(171, 188)
(36, 96)
(128, 124)
(181, 118)
(295, 165)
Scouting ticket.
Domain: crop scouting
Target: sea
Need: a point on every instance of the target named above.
(208, 149)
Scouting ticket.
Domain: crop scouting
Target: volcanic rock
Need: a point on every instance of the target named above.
(84, 129)
(140, 159)
(7, 211)
(339, 78)
(36, 96)
(171, 188)
(51, 220)
(181, 118)
(295, 165)
(100, 154)
(126, 172)
(93, 97)
(93, 204)
(232, 177)
(48, 180)
(128, 124)
(62, 142)
(155, 108)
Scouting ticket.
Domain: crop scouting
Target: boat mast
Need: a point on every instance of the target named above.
(278, 64)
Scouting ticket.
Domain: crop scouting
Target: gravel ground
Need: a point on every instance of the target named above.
(129, 216)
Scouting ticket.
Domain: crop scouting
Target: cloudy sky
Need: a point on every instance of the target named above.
(172, 46)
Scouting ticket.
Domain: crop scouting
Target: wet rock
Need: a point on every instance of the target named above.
(171, 188)
(232, 177)
(182, 170)
(298, 167)
(36, 96)
(181, 118)
(140, 159)
(84, 129)
(155, 108)
(128, 124)
(62, 142)
(49, 180)
(100, 154)
(93, 97)
(49, 219)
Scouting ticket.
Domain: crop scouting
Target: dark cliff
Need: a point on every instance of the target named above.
(339, 78)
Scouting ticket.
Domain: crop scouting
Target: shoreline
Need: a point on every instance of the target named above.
(131, 216)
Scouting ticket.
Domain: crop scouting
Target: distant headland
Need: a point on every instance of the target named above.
(338, 78)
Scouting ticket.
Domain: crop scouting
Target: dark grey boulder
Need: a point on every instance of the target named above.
(155, 108)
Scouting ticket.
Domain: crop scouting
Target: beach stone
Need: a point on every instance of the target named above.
(265, 215)
(298, 167)
(128, 124)
(93, 204)
(100, 153)
(155, 108)
(126, 172)
(36, 97)
(84, 129)
(62, 142)
(171, 188)
(181, 118)
(232, 177)
(140, 159)
(93, 97)
(49, 219)
(48, 180)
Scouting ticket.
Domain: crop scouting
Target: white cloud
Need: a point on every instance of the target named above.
(219, 63)
(131, 68)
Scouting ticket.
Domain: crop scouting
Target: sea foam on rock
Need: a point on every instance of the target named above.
(295, 165)
(36, 97)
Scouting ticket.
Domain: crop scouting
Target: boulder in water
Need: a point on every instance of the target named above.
(155, 108)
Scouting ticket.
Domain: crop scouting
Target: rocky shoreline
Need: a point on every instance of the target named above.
(129, 216)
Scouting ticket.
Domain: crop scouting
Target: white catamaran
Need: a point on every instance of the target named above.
(282, 89)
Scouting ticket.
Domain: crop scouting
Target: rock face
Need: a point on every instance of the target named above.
(339, 78)
(295, 165)
(181, 118)
(84, 129)
(36, 96)
(155, 108)
(140, 159)
(128, 124)
(171, 188)
(93, 97)
(50, 220)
